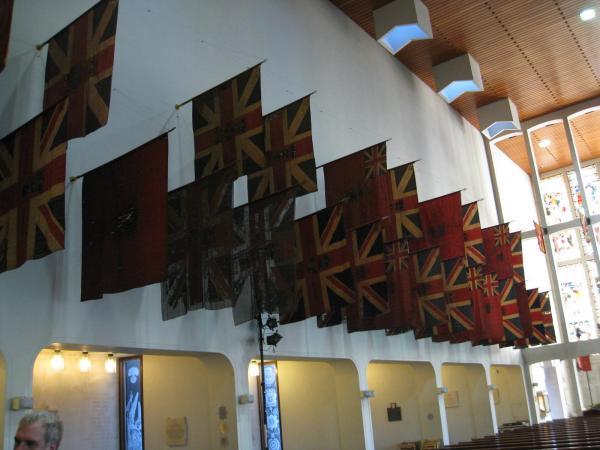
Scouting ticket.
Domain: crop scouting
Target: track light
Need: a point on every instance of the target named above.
(254, 369)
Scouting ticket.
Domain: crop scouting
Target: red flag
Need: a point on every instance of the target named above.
(458, 300)
(124, 222)
(487, 309)
(403, 221)
(584, 363)
(290, 161)
(228, 126)
(360, 182)
(524, 313)
(539, 233)
(430, 293)
(538, 332)
(516, 254)
(32, 188)
(511, 320)
(474, 251)
(6, 7)
(442, 225)
(79, 67)
(496, 242)
(549, 328)
(368, 267)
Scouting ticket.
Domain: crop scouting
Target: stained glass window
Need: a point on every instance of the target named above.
(131, 403)
(575, 294)
(592, 188)
(556, 200)
(271, 407)
(565, 245)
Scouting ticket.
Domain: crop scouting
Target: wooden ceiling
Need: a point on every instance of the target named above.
(537, 52)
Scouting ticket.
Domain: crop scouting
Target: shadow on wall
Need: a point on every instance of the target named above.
(3, 401)
(196, 390)
(411, 387)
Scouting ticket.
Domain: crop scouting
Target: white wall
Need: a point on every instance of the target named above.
(3, 400)
(412, 387)
(169, 52)
(511, 405)
(472, 417)
(589, 383)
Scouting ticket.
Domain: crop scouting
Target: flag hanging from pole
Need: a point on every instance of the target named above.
(289, 161)
(497, 245)
(511, 319)
(6, 7)
(360, 182)
(458, 300)
(228, 126)
(32, 189)
(429, 286)
(79, 67)
(403, 221)
(474, 250)
(539, 233)
(125, 222)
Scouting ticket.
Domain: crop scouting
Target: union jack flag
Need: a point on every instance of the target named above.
(516, 251)
(511, 319)
(474, 252)
(368, 266)
(80, 66)
(487, 309)
(290, 160)
(442, 225)
(458, 300)
(228, 126)
(497, 245)
(430, 293)
(549, 328)
(32, 188)
(538, 332)
(6, 7)
(404, 220)
(359, 181)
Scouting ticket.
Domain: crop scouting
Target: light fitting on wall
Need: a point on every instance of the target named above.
(367, 393)
(110, 365)
(492, 387)
(499, 116)
(456, 76)
(401, 21)
(84, 362)
(442, 390)
(57, 362)
(254, 369)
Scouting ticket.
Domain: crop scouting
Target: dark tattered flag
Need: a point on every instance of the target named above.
(124, 222)
(403, 221)
(290, 160)
(458, 300)
(32, 189)
(228, 126)
(79, 67)
(264, 257)
(511, 319)
(497, 247)
(360, 182)
(200, 239)
(6, 7)
(474, 250)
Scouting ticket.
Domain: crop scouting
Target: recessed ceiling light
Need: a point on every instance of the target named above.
(545, 143)
(587, 14)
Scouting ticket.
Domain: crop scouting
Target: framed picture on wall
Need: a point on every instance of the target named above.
(131, 403)
(451, 399)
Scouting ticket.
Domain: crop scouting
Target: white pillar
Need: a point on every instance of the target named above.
(365, 404)
(439, 382)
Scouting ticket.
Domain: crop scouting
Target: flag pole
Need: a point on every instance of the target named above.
(179, 105)
(74, 178)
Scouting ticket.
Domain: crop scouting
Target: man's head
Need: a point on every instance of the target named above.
(39, 430)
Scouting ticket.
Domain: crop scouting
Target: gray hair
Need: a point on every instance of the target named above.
(53, 427)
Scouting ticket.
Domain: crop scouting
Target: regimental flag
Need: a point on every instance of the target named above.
(539, 234)
(368, 267)
(474, 251)
(125, 222)
(487, 309)
(497, 245)
(458, 300)
(200, 230)
(228, 126)
(264, 257)
(6, 7)
(32, 189)
(289, 161)
(360, 182)
(404, 221)
(538, 332)
(516, 252)
(511, 319)
(524, 313)
(323, 274)
(442, 226)
(429, 286)
(584, 364)
(80, 66)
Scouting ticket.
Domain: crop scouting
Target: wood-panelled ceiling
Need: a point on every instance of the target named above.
(537, 52)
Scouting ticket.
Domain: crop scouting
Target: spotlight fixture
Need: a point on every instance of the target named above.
(271, 323)
(400, 22)
(545, 143)
(587, 14)
(84, 362)
(57, 362)
(274, 339)
(110, 365)
(254, 369)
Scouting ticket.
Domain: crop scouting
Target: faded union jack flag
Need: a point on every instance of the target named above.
(516, 252)
(289, 160)
(430, 293)
(368, 266)
(511, 319)
(228, 126)
(458, 300)
(474, 251)
(497, 245)
(404, 221)
(538, 332)
(359, 181)
(80, 66)
(32, 188)
(487, 309)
